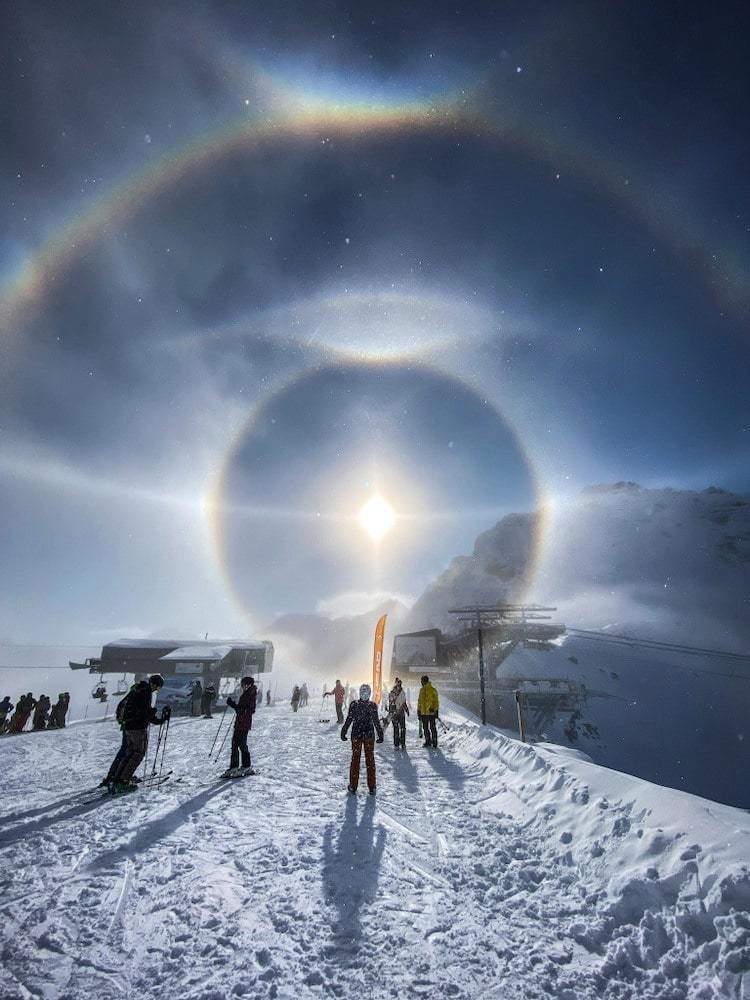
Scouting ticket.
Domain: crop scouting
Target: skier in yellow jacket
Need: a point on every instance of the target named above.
(428, 705)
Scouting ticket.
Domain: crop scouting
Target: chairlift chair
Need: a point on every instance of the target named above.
(99, 691)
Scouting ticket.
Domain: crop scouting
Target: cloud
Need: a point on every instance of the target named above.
(359, 602)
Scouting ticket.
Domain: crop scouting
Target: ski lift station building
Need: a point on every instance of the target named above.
(190, 659)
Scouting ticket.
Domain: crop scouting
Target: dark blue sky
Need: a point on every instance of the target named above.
(512, 249)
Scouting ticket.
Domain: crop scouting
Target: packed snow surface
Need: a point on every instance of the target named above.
(487, 868)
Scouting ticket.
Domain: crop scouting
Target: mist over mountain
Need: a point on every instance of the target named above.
(333, 646)
(674, 564)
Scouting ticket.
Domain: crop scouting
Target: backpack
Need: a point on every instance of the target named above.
(120, 710)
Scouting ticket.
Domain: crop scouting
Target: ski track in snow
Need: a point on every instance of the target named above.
(454, 881)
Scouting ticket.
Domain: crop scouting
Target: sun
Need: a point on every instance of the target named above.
(377, 517)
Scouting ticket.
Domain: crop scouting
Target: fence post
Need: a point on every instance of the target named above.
(519, 708)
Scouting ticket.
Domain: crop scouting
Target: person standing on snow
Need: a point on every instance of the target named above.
(196, 694)
(243, 723)
(207, 699)
(296, 694)
(24, 707)
(120, 755)
(40, 713)
(339, 693)
(136, 716)
(363, 718)
(56, 715)
(428, 705)
(398, 709)
(6, 707)
(304, 694)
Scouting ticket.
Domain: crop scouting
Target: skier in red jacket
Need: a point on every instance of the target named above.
(339, 692)
(243, 723)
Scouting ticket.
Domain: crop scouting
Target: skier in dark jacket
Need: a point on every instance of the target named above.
(296, 695)
(398, 709)
(207, 700)
(243, 723)
(363, 718)
(24, 708)
(6, 707)
(137, 714)
(54, 721)
(59, 711)
(120, 755)
(40, 713)
(196, 694)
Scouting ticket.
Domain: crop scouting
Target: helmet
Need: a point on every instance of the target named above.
(246, 681)
(156, 680)
(364, 692)
(424, 678)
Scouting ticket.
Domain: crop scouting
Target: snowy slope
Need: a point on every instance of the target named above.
(487, 869)
(679, 720)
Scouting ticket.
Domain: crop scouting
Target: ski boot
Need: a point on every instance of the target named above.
(352, 789)
(122, 787)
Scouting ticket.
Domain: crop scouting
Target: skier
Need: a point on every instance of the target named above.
(136, 716)
(6, 707)
(398, 709)
(21, 715)
(268, 696)
(363, 718)
(207, 699)
(40, 713)
(428, 705)
(243, 723)
(295, 698)
(56, 715)
(339, 693)
(65, 709)
(304, 694)
(195, 698)
(119, 756)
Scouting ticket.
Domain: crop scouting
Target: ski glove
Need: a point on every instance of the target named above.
(343, 736)
(380, 739)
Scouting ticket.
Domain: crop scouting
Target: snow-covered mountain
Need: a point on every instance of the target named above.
(675, 564)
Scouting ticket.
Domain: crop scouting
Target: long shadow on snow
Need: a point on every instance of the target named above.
(9, 818)
(158, 829)
(25, 830)
(350, 875)
(452, 773)
(402, 770)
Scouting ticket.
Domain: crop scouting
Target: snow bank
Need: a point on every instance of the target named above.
(665, 874)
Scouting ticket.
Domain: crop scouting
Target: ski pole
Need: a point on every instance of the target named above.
(445, 728)
(221, 723)
(164, 746)
(156, 753)
(221, 748)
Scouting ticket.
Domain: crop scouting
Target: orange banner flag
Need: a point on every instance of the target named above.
(377, 661)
